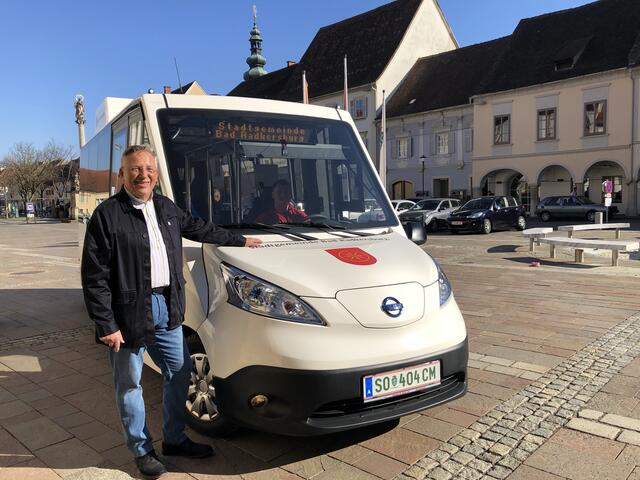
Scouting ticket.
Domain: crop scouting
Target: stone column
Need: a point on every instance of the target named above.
(533, 198)
(631, 195)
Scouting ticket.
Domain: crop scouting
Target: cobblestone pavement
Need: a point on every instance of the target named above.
(554, 389)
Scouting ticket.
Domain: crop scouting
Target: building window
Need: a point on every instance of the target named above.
(442, 143)
(363, 136)
(468, 139)
(501, 129)
(595, 122)
(358, 108)
(547, 124)
(403, 147)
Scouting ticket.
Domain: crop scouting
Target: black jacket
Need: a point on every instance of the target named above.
(116, 265)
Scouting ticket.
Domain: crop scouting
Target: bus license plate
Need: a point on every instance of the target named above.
(399, 382)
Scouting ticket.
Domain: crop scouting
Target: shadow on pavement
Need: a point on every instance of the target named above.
(548, 263)
(504, 249)
(57, 406)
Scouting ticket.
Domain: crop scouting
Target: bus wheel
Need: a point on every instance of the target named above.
(201, 409)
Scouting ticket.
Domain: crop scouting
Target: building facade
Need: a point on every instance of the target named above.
(429, 126)
(559, 111)
(381, 46)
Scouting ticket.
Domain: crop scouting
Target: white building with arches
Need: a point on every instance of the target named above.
(559, 111)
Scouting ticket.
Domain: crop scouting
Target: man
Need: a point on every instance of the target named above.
(283, 209)
(134, 292)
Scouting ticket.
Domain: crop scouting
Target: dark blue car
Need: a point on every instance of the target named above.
(486, 214)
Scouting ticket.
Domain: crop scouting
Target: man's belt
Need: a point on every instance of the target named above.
(161, 290)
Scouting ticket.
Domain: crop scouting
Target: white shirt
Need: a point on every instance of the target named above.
(159, 261)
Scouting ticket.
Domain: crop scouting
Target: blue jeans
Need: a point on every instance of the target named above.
(170, 353)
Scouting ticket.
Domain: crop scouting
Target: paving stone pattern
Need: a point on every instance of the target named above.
(528, 371)
(36, 340)
(607, 425)
(497, 443)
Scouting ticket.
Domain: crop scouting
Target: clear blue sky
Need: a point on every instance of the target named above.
(51, 50)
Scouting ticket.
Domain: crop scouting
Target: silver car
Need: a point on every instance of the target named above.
(432, 211)
(568, 206)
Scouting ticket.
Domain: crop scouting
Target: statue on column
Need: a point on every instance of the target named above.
(79, 106)
(78, 103)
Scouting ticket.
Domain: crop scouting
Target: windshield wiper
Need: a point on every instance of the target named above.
(269, 228)
(327, 226)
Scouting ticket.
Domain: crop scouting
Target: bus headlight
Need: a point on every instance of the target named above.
(257, 296)
(444, 285)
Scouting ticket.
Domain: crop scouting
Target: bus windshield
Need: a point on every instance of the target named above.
(242, 168)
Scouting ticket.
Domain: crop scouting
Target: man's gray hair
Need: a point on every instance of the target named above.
(137, 148)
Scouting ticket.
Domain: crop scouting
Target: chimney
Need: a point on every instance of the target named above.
(167, 89)
(291, 62)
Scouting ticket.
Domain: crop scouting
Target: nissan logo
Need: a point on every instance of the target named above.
(392, 307)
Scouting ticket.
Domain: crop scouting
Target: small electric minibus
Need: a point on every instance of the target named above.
(339, 319)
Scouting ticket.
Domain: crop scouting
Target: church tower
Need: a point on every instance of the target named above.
(255, 61)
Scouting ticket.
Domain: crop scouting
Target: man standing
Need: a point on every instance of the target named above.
(134, 292)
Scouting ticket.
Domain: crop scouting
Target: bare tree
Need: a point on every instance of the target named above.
(62, 167)
(25, 171)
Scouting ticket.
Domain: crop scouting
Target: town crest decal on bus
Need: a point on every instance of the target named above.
(353, 256)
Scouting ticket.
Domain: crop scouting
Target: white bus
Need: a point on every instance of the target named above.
(338, 320)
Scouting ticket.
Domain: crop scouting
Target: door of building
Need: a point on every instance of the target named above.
(440, 187)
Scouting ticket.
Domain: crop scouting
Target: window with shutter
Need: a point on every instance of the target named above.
(442, 143)
(403, 147)
(468, 140)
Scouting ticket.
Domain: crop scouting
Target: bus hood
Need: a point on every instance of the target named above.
(323, 267)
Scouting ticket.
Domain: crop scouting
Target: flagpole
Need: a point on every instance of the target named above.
(383, 150)
(305, 92)
(345, 98)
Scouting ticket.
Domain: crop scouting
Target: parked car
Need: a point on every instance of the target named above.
(570, 206)
(485, 214)
(402, 205)
(432, 211)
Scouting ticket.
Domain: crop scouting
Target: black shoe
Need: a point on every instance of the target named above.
(188, 448)
(149, 465)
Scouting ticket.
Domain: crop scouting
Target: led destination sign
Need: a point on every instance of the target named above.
(259, 133)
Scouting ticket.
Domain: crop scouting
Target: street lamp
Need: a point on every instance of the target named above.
(422, 160)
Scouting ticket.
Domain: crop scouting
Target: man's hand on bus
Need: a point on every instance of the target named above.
(252, 242)
(113, 341)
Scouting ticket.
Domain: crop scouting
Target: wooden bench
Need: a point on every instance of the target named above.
(593, 226)
(616, 246)
(535, 234)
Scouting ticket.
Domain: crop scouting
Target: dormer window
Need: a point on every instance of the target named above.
(564, 64)
(568, 56)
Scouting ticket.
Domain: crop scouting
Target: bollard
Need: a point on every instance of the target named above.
(598, 217)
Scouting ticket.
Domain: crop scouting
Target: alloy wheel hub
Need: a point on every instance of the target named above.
(201, 395)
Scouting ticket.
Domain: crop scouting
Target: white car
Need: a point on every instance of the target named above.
(400, 206)
(333, 323)
(432, 211)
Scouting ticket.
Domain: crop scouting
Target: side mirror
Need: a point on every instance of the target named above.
(416, 232)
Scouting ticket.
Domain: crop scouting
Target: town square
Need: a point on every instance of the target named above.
(406, 246)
